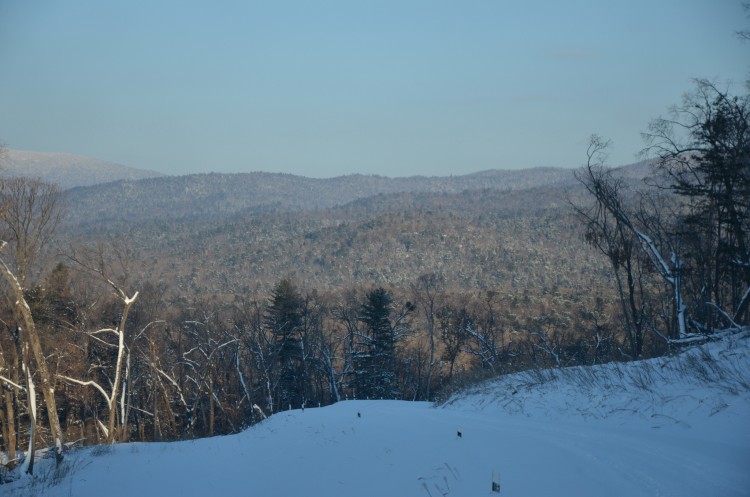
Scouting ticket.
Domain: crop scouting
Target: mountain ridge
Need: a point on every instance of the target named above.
(223, 194)
(67, 170)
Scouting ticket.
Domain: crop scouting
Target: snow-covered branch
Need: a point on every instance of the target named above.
(11, 383)
(87, 383)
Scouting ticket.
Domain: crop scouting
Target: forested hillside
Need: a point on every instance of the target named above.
(215, 196)
(180, 307)
(476, 272)
(479, 239)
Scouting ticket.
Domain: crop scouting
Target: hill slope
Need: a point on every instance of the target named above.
(668, 427)
(67, 170)
(215, 196)
(341, 231)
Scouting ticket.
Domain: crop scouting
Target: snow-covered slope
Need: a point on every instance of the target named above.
(668, 427)
(67, 170)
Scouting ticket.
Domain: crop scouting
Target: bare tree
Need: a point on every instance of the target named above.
(10, 388)
(615, 229)
(744, 34)
(258, 340)
(454, 323)
(346, 313)
(485, 336)
(329, 361)
(426, 292)
(118, 332)
(612, 237)
(29, 213)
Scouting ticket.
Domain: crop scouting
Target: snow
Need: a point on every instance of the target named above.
(668, 427)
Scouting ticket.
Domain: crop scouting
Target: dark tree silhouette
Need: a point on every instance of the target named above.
(284, 319)
(703, 151)
(375, 362)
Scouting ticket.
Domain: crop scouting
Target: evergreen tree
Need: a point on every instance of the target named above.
(284, 319)
(375, 363)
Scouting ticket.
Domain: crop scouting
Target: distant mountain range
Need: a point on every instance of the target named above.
(221, 195)
(67, 170)
(204, 232)
(100, 191)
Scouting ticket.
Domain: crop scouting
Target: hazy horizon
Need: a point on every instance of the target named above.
(9, 160)
(328, 89)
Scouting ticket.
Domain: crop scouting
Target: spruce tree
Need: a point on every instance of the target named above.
(284, 319)
(376, 363)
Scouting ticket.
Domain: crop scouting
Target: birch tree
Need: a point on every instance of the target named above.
(10, 388)
(116, 386)
(30, 210)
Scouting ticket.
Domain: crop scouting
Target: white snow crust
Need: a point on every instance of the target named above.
(677, 426)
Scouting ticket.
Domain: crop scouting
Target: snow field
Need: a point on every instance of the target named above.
(636, 429)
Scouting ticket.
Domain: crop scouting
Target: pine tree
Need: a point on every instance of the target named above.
(375, 364)
(284, 319)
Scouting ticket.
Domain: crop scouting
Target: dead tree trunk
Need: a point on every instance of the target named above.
(48, 387)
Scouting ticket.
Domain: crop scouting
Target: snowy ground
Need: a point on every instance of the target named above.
(669, 427)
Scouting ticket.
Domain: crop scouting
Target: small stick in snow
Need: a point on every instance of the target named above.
(495, 482)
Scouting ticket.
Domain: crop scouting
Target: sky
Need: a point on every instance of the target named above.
(326, 88)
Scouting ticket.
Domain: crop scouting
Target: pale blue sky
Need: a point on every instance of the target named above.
(325, 88)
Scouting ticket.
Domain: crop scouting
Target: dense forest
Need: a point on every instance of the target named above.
(171, 308)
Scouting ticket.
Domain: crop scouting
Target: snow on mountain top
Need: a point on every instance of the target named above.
(673, 426)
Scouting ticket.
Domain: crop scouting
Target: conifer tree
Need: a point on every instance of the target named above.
(375, 364)
(284, 319)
